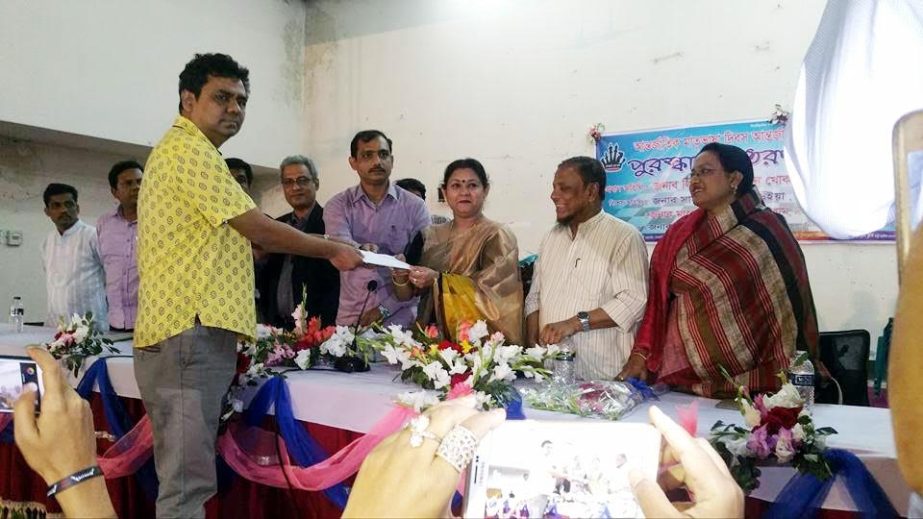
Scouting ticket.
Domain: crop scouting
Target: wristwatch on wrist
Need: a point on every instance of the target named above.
(385, 313)
(584, 318)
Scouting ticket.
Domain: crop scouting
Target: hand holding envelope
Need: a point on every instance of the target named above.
(383, 260)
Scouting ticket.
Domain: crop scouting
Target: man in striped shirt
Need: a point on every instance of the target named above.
(590, 284)
(74, 277)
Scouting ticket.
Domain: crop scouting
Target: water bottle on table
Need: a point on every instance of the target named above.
(801, 375)
(17, 314)
(565, 367)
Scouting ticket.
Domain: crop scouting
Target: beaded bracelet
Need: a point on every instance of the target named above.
(76, 478)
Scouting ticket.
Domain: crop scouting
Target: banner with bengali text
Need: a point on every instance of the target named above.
(647, 175)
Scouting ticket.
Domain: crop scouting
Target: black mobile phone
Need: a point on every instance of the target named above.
(15, 372)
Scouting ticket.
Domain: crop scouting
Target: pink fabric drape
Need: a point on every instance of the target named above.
(253, 454)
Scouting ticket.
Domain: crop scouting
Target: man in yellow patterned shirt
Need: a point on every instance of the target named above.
(195, 226)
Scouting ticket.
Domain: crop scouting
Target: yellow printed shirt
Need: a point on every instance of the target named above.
(190, 261)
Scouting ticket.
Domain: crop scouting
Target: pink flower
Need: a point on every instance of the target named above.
(459, 390)
(463, 329)
(760, 443)
(279, 354)
(760, 406)
(431, 331)
(785, 446)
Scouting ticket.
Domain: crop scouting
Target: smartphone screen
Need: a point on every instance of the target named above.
(14, 373)
(560, 469)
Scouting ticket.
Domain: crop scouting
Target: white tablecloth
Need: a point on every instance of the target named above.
(357, 401)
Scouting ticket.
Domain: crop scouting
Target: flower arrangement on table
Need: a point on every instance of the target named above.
(76, 340)
(309, 344)
(777, 428)
(480, 363)
(606, 399)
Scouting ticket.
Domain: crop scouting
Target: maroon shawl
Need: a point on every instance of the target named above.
(744, 301)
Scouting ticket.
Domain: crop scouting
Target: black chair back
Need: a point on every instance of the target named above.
(846, 355)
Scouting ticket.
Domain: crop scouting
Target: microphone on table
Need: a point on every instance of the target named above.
(354, 363)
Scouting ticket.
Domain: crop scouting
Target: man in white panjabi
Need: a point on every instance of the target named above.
(590, 283)
(75, 280)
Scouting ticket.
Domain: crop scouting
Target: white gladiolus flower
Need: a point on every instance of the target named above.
(536, 352)
(798, 433)
(263, 331)
(551, 350)
(81, 333)
(737, 447)
(338, 343)
(390, 353)
(788, 396)
(481, 398)
(751, 415)
(785, 451)
(479, 330)
(437, 374)
(303, 359)
(458, 367)
(504, 354)
(402, 336)
(448, 355)
(418, 400)
(502, 372)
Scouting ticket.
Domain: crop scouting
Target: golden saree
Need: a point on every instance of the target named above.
(727, 291)
(479, 278)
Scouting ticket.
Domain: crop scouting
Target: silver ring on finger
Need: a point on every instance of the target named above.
(419, 431)
(457, 448)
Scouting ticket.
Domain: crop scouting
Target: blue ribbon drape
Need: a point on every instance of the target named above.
(513, 406)
(116, 417)
(804, 494)
(642, 388)
(301, 446)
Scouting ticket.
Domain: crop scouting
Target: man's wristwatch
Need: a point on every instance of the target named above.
(584, 318)
(385, 313)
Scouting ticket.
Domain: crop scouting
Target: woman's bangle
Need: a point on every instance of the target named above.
(74, 479)
(638, 353)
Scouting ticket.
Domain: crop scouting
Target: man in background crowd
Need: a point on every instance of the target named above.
(375, 215)
(242, 173)
(283, 278)
(117, 231)
(419, 189)
(74, 278)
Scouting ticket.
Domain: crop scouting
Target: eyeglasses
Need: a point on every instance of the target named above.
(289, 183)
(701, 173)
(371, 154)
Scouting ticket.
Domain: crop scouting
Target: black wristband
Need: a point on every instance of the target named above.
(74, 479)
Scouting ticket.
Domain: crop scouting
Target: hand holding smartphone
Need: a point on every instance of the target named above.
(16, 372)
(552, 469)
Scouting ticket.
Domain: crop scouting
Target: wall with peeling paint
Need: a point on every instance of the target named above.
(517, 84)
(108, 69)
(105, 72)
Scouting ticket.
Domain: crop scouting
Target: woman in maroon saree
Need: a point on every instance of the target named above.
(728, 288)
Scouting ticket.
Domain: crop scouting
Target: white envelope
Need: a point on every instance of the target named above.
(383, 260)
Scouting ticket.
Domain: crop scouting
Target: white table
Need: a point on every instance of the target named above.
(357, 401)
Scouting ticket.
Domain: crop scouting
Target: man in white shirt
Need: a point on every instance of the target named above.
(74, 275)
(590, 283)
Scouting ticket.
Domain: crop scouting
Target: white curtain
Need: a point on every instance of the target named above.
(863, 71)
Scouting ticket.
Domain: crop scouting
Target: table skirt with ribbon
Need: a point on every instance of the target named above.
(23, 489)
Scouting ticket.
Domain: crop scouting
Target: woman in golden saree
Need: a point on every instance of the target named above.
(468, 268)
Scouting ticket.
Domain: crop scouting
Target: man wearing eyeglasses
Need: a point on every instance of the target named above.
(376, 215)
(284, 277)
